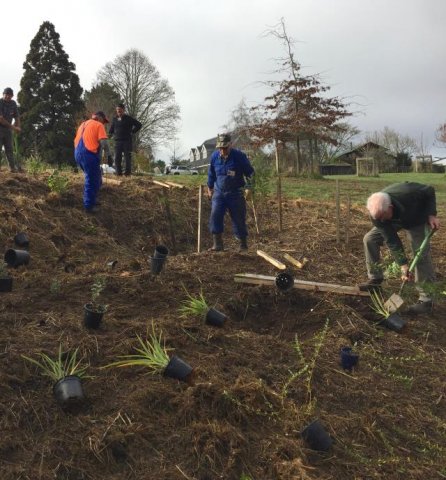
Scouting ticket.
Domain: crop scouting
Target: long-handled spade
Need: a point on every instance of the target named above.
(395, 301)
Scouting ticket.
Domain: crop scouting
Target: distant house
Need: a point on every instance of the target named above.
(386, 160)
(200, 156)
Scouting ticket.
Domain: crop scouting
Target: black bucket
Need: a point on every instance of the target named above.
(316, 437)
(284, 281)
(21, 240)
(68, 390)
(348, 358)
(6, 284)
(92, 318)
(161, 251)
(394, 322)
(178, 369)
(15, 258)
(215, 318)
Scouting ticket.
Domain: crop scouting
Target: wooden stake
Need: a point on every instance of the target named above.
(271, 260)
(200, 203)
(162, 184)
(295, 262)
(347, 221)
(279, 201)
(338, 214)
(255, 279)
(255, 215)
(169, 220)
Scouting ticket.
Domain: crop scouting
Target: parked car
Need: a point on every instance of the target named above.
(180, 170)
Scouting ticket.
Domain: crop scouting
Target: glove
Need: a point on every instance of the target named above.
(248, 194)
(110, 161)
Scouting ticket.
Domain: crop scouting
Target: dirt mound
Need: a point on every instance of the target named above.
(258, 381)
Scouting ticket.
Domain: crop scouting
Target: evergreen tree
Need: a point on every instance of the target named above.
(50, 99)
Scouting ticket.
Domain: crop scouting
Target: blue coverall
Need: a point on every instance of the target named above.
(226, 177)
(90, 164)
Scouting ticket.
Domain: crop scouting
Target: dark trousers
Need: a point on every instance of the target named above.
(6, 142)
(123, 147)
(234, 202)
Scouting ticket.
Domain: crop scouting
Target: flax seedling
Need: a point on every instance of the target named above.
(58, 183)
(152, 354)
(194, 306)
(378, 304)
(60, 367)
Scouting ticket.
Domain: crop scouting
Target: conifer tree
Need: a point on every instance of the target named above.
(50, 99)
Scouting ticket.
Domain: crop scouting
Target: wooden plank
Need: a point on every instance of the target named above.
(111, 181)
(393, 303)
(173, 184)
(295, 262)
(300, 284)
(200, 203)
(162, 184)
(271, 260)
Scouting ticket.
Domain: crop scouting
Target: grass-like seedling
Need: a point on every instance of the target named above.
(96, 290)
(152, 354)
(62, 366)
(3, 270)
(194, 306)
(378, 304)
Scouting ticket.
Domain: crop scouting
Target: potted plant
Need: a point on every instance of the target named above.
(5, 279)
(94, 311)
(152, 353)
(391, 320)
(198, 307)
(67, 373)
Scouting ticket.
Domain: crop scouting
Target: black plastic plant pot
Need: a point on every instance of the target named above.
(348, 358)
(6, 284)
(178, 369)
(92, 318)
(284, 281)
(394, 322)
(316, 437)
(161, 251)
(215, 318)
(15, 258)
(21, 240)
(68, 390)
(112, 264)
(156, 265)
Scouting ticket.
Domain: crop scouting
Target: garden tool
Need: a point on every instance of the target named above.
(395, 301)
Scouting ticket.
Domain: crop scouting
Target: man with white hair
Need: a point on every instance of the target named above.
(406, 206)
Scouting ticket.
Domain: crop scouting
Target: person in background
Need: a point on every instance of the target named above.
(405, 206)
(91, 137)
(9, 113)
(122, 128)
(227, 172)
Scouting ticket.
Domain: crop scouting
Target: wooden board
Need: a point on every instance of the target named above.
(393, 303)
(255, 279)
(173, 184)
(271, 260)
(111, 181)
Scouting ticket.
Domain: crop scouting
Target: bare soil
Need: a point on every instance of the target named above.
(241, 415)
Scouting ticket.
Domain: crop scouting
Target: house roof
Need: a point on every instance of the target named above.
(363, 146)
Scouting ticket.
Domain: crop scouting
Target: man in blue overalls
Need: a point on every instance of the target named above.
(226, 181)
(90, 138)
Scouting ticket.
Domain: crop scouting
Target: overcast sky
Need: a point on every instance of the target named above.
(385, 55)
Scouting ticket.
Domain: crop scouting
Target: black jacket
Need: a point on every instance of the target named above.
(122, 128)
(413, 203)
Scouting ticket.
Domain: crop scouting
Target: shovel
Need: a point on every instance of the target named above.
(395, 301)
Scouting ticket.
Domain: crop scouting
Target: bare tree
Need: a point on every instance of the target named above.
(148, 97)
(298, 108)
(440, 134)
(397, 143)
(342, 140)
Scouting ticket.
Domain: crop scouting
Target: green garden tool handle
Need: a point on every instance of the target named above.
(418, 254)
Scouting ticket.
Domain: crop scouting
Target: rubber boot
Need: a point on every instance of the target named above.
(243, 244)
(217, 242)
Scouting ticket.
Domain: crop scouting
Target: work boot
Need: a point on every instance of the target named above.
(217, 242)
(243, 244)
(373, 284)
(420, 307)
